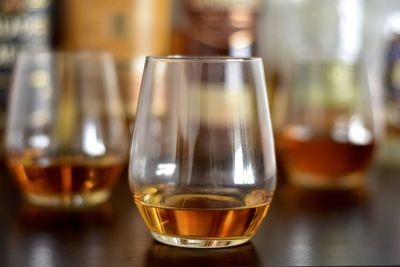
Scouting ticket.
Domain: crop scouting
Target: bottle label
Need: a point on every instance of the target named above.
(23, 25)
(130, 30)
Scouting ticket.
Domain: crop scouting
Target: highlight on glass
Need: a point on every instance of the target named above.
(66, 139)
(202, 164)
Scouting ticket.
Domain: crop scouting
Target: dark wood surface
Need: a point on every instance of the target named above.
(302, 228)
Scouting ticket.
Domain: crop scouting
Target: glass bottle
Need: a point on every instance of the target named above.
(221, 27)
(130, 29)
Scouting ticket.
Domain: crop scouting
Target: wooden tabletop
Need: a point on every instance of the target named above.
(302, 228)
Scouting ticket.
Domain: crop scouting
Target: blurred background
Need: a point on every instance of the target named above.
(275, 30)
(302, 228)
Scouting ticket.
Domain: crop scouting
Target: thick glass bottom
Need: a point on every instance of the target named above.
(71, 201)
(351, 181)
(199, 243)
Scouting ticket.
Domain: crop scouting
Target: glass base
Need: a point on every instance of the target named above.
(198, 243)
(73, 201)
(351, 181)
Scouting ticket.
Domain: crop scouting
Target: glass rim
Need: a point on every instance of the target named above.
(190, 58)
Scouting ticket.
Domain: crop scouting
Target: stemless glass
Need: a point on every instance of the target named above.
(325, 123)
(66, 140)
(202, 168)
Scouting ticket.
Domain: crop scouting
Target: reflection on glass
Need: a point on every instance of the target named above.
(41, 235)
(161, 255)
(35, 218)
(321, 226)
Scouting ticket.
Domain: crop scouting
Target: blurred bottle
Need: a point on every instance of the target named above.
(389, 155)
(217, 27)
(24, 24)
(130, 29)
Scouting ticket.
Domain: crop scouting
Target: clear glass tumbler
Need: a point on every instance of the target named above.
(66, 140)
(325, 109)
(202, 166)
(326, 124)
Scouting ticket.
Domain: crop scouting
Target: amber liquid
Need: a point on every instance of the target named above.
(203, 216)
(65, 177)
(323, 157)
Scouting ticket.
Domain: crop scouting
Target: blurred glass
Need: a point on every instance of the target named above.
(325, 117)
(66, 140)
(202, 167)
(326, 130)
